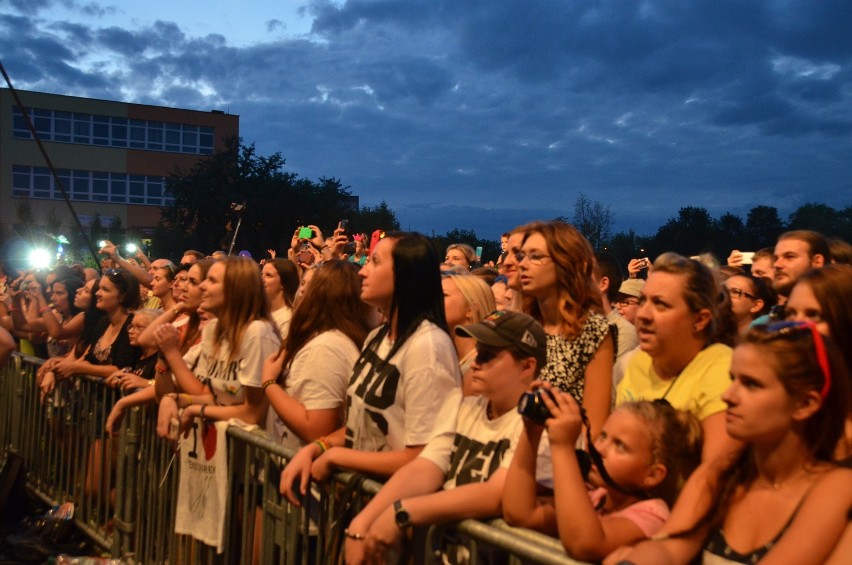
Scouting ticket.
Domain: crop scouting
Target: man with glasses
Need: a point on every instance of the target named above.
(627, 301)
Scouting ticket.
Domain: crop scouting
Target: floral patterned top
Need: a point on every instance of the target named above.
(567, 359)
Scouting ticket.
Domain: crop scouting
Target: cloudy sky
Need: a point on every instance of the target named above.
(486, 114)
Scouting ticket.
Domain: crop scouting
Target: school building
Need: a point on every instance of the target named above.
(112, 158)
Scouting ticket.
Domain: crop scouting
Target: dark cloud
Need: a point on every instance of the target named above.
(488, 114)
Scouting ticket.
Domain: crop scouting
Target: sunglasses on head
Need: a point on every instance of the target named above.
(782, 329)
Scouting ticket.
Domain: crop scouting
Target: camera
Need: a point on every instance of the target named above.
(349, 248)
(531, 405)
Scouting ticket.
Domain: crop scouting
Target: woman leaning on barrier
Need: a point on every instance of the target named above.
(306, 381)
(226, 378)
(405, 385)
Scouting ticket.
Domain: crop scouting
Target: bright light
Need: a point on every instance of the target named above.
(131, 247)
(102, 244)
(39, 258)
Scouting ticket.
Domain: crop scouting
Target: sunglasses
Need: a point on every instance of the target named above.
(786, 329)
(486, 353)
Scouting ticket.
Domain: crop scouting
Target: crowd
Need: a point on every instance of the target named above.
(690, 409)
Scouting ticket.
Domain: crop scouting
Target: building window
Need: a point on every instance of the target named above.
(91, 186)
(114, 131)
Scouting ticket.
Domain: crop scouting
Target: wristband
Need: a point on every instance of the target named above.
(201, 411)
(323, 444)
(268, 384)
(175, 310)
(353, 535)
(172, 395)
(160, 369)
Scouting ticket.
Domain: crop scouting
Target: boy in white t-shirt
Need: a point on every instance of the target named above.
(470, 464)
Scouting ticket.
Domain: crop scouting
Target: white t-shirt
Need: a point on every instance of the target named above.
(408, 399)
(317, 378)
(227, 378)
(478, 447)
(282, 318)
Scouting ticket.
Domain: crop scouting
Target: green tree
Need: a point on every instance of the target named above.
(368, 219)
(275, 204)
(763, 226)
(691, 233)
(818, 217)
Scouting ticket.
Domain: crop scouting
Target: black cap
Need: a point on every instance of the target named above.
(510, 329)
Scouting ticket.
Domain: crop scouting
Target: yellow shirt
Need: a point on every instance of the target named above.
(698, 389)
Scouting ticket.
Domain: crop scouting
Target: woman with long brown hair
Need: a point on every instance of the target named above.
(556, 273)
(306, 381)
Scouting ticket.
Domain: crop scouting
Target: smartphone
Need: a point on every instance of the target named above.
(344, 225)
(306, 233)
(748, 257)
(479, 253)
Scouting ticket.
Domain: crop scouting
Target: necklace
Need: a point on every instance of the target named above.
(778, 485)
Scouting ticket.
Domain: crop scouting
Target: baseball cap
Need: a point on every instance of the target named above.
(510, 329)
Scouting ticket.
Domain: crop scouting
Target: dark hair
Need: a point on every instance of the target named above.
(127, 285)
(841, 250)
(72, 285)
(417, 292)
(488, 274)
(830, 286)
(289, 275)
(817, 244)
(331, 302)
(607, 266)
(197, 254)
(91, 316)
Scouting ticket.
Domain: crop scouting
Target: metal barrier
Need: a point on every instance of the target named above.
(125, 488)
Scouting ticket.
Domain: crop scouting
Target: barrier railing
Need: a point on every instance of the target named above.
(125, 488)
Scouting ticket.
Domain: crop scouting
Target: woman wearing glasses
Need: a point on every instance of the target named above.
(751, 298)
(784, 500)
(556, 274)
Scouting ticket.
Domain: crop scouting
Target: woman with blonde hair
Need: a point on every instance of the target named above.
(556, 266)
(467, 300)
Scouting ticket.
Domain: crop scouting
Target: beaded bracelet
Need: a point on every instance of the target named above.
(353, 535)
(268, 384)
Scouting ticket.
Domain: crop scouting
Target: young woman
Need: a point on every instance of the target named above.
(784, 501)
(162, 279)
(684, 352)
(471, 463)
(646, 448)
(556, 273)
(280, 283)
(62, 320)
(821, 297)
(306, 381)
(460, 255)
(225, 382)
(110, 349)
(405, 386)
(751, 298)
(467, 300)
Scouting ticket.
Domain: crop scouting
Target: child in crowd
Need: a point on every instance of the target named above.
(471, 463)
(647, 449)
(784, 500)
